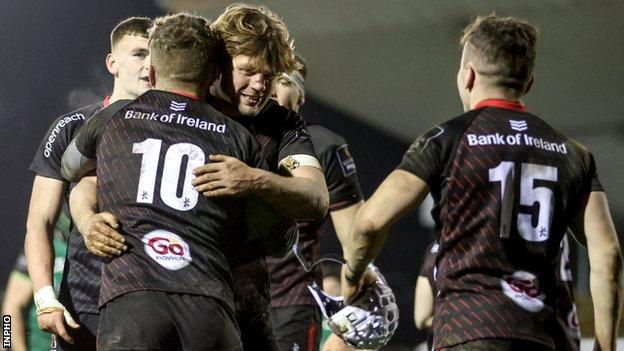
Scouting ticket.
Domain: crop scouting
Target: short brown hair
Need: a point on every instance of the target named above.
(258, 33)
(505, 46)
(182, 48)
(137, 26)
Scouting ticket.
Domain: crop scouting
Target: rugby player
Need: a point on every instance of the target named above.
(506, 188)
(175, 272)
(294, 312)
(127, 62)
(257, 49)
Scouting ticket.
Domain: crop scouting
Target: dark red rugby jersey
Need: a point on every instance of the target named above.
(281, 133)
(289, 280)
(505, 186)
(428, 268)
(568, 334)
(177, 238)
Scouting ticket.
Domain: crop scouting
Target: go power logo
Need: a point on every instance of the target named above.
(521, 288)
(167, 249)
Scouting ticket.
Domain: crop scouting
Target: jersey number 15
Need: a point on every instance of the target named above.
(535, 206)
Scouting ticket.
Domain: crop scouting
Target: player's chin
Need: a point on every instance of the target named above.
(248, 110)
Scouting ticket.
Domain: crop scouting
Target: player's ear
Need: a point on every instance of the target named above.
(152, 76)
(301, 100)
(471, 75)
(529, 85)
(111, 64)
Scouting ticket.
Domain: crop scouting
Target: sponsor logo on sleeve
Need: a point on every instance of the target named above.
(522, 289)
(347, 164)
(167, 249)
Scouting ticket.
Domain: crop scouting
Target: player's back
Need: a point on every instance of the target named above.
(146, 152)
(507, 189)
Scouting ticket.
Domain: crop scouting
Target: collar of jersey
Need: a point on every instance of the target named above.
(500, 103)
(184, 93)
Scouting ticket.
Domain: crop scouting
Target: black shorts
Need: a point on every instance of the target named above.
(498, 345)
(155, 320)
(297, 327)
(255, 326)
(84, 337)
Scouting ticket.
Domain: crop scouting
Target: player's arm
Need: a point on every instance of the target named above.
(43, 211)
(75, 164)
(79, 158)
(399, 193)
(342, 220)
(423, 303)
(17, 299)
(99, 230)
(305, 187)
(45, 205)
(595, 227)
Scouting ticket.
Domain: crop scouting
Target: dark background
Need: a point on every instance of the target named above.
(52, 61)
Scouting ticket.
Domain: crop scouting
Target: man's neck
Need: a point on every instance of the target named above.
(120, 95)
(484, 93)
(184, 89)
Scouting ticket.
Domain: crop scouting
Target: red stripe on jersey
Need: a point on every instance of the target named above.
(476, 316)
(185, 93)
(500, 103)
(312, 332)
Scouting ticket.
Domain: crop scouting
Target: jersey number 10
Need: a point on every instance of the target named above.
(536, 203)
(172, 171)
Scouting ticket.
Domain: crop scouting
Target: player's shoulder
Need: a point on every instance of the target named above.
(459, 123)
(325, 138)
(76, 117)
(446, 132)
(319, 132)
(573, 146)
(275, 116)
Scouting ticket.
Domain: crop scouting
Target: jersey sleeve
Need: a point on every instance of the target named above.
(295, 142)
(79, 158)
(594, 182)
(429, 156)
(338, 167)
(47, 161)
(424, 158)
